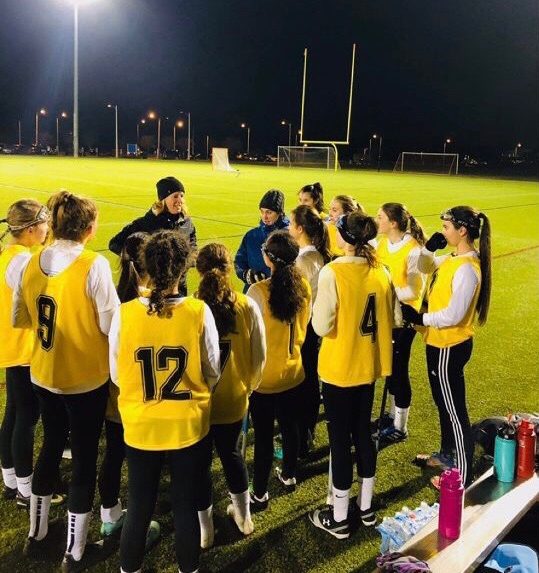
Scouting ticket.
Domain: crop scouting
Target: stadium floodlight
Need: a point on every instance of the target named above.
(139, 123)
(178, 124)
(284, 122)
(248, 128)
(111, 106)
(76, 4)
(379, 137)
(446, 143)
(188, 114)
(63, 115)
(153, 115)
(39, 113)
(517, 147)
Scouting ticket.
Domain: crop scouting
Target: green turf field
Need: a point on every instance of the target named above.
(502, 376)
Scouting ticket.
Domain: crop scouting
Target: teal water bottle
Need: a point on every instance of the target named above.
(505, 447)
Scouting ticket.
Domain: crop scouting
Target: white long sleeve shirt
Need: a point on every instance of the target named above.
(463, 287)
(310, 263)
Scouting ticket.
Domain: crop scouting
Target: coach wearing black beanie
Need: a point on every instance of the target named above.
(169, 212)
(249, 263)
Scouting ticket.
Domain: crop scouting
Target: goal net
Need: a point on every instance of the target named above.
(301, 156)
(219, 159)
(442, 163)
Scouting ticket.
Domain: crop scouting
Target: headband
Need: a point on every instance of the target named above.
(343, 229)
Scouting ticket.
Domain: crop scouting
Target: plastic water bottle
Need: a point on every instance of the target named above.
(451, 504)
(526, 449)
(504, 453)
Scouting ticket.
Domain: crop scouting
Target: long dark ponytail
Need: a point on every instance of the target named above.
(477, 225)
(358, 229)
(166, 257)
(131, 267)
(315, 229)
(214, 264)
(287, 291)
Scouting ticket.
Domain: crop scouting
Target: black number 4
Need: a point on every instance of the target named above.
(369, 325)
(147, 356)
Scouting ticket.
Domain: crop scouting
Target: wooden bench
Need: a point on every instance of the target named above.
(491, 509)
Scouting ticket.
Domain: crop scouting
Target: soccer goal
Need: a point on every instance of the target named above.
(219, 160)
(442, 163)
(303, 156)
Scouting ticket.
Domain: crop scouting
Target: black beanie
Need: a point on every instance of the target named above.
(167, 186)
(273, 200)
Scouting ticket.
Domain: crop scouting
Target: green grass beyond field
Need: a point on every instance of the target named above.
(501, 378)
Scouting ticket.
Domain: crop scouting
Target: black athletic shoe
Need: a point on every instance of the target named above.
(42, 550)
(368, 517)
(289, 484)
(258, 504)
(323, 519)
(94, 553)
(9, 492)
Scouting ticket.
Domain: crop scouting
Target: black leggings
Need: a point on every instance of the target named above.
(187, 468)
(20, 418)
(310, 388)
(111, 468)
(398, 383)
(225, 437)
(348, 411)
(82, 416)
(446, 377)
(265, 408)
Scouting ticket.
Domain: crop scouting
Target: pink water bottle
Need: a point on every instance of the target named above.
(451, 504)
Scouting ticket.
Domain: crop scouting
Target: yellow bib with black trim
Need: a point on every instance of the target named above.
(284, 368)
(17, 343)
(230, 399)
(70, 351)
(359, 348)
(164, 399)
(397, 263)
(333, 248)
(441, 290)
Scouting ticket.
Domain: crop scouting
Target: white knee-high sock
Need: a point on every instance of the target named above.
(341, 499)
(24, 485)
(401, 419)
(77, 533)
(10, 480)
(124, 571)
(205, 518)
(241, 511)
(39, 516)
(367, 491)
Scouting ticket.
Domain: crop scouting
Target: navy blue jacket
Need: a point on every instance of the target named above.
(249, 255)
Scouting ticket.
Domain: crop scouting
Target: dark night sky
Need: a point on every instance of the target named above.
(425, 69)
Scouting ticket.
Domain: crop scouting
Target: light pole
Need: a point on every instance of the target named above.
(153, 115)
(188, 114)
(76, 79)
(245, 126)
(284, 122)
(63, 115)
(110, 106)
(517, 147)
(446, 143)
(379, 137)
(207, 146)
(139, 123)
(19, 125)
(176, 124)
(42, 111)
